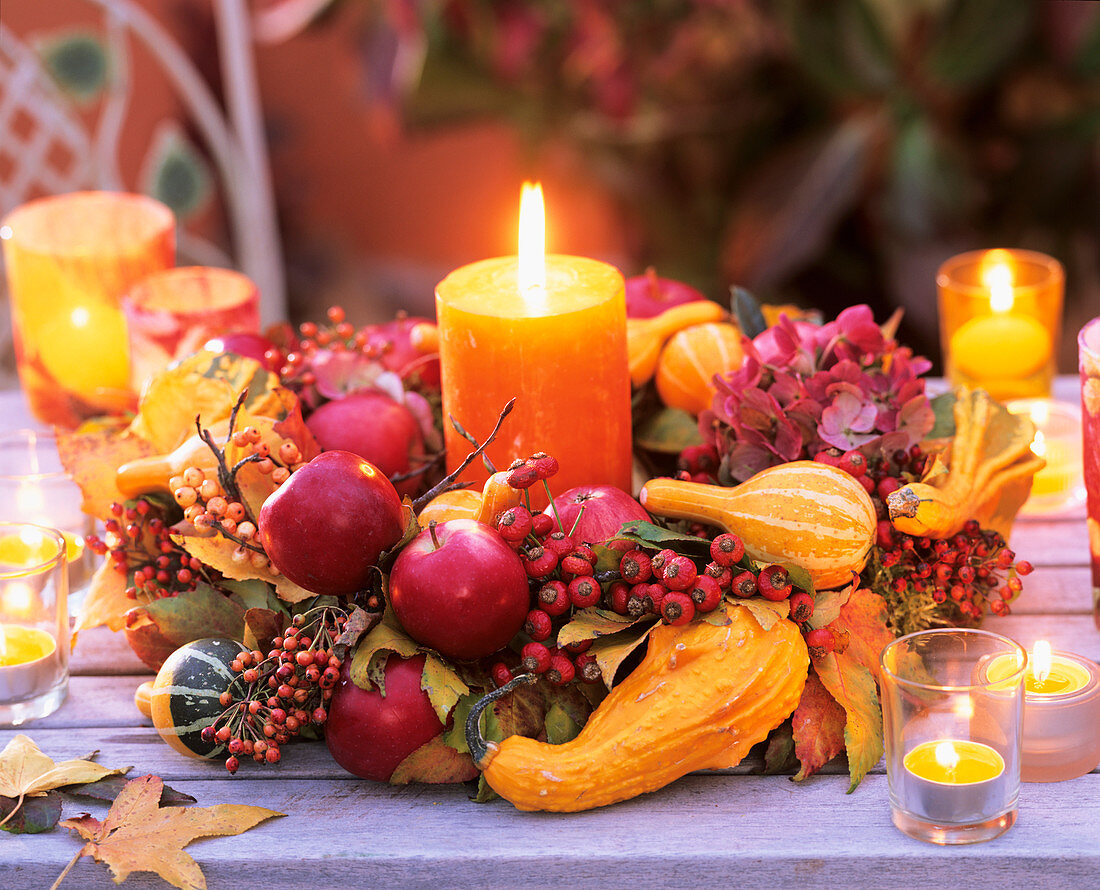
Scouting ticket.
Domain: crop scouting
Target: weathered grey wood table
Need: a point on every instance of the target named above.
(735, 830)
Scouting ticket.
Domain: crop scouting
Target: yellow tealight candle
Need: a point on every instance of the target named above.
(1061, 713)
(22, 645)
(1059, 485)
(954, 762)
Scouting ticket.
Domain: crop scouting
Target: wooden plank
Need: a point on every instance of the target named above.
(104, 652)
(702, 832)
(1071, 633)
(1052, 542)
(96, 702)
(1056, 589)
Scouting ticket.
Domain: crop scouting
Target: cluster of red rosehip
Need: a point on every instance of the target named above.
(273, 698)
(138, 543)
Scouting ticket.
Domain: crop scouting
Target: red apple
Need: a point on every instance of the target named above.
(462, 592)
(374, 426)
(647, 295)
(370, 734)
(605, 508)
(396, 352)
(250, 346)
(325, 527)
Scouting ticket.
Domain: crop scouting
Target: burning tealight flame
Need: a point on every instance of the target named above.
(1040, 660)
(997, 276)
(1039, 444)
(532, 241)
(947, 756)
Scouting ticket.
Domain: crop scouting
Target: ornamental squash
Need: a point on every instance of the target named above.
(646, 336)
(184, 697)
(802, 513)
(701, 698)
(689, 361)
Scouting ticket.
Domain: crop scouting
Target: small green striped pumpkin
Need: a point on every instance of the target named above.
(186, 691)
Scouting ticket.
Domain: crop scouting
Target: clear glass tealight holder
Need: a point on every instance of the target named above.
(34, 622)
(34, 487)
(952, 735)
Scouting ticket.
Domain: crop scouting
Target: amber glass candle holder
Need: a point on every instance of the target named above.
(34, 622)
(1088, 342)
(952, 735)
(1059, 486)
(1000, 321)
(171, 314)
(69, 259)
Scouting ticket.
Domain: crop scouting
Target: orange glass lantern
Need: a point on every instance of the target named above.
(69, 259)
(1000, 320)
(549, 330)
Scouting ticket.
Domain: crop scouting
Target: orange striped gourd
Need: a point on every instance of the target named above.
(691, 358)
(802, 513)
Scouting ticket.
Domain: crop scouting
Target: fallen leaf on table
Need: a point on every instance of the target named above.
(140, 835)
(109, 788)
(26, 771)
(32, 815)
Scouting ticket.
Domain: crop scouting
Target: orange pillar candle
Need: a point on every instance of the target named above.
(555, 341)
(1000, 316)
(69, 259)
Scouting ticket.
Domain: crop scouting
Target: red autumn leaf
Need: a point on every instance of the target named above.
(864, 617)
(853, 686)
(434, 763)
(818, 727)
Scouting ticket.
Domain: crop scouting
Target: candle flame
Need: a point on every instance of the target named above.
(947, 756)
(80, 317)
(532, 240)
(997, 275)
(964, 709)
(1040, 660)
(1040, 412)
(1039, 444)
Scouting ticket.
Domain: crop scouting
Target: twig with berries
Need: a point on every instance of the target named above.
(275, 697)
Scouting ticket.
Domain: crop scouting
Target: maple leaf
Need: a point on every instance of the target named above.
(25, 771)
(817, 725)
(140, 835)
(853, 686)
(92, 459)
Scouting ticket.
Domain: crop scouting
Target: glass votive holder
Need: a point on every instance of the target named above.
(69, 259)
(1000, 321)
(1059, 486)
(952, 734)
(1088, 342)
(34, 487)
(34, 622)
(1061, 735)
(171, 315)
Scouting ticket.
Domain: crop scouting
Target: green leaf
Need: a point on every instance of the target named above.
(560, 727)
(176, 174)
(370, 658)
(779, 755)
(590, 624)
(853, 687)
(827, 605)
(37, 814)
(78, 62)
(765, 611)
(443, 685)
(456, 735)
(485, 794)
(607, 559)
(800, 578)
(656, 537)
(746, 309)
(943, 406)
(254, 593)
(667, 431)
(155, 630)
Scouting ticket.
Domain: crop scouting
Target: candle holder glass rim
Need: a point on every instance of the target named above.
(160, 218)
(48, 533)
(1088, 346)
(244, 284)
(1008, 681)
(1090, 688)
(28, 435)
(1055, 272)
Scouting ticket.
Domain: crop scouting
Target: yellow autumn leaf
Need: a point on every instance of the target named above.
(25, 770)
(140, 835)
(217, 552)
(106, 601)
